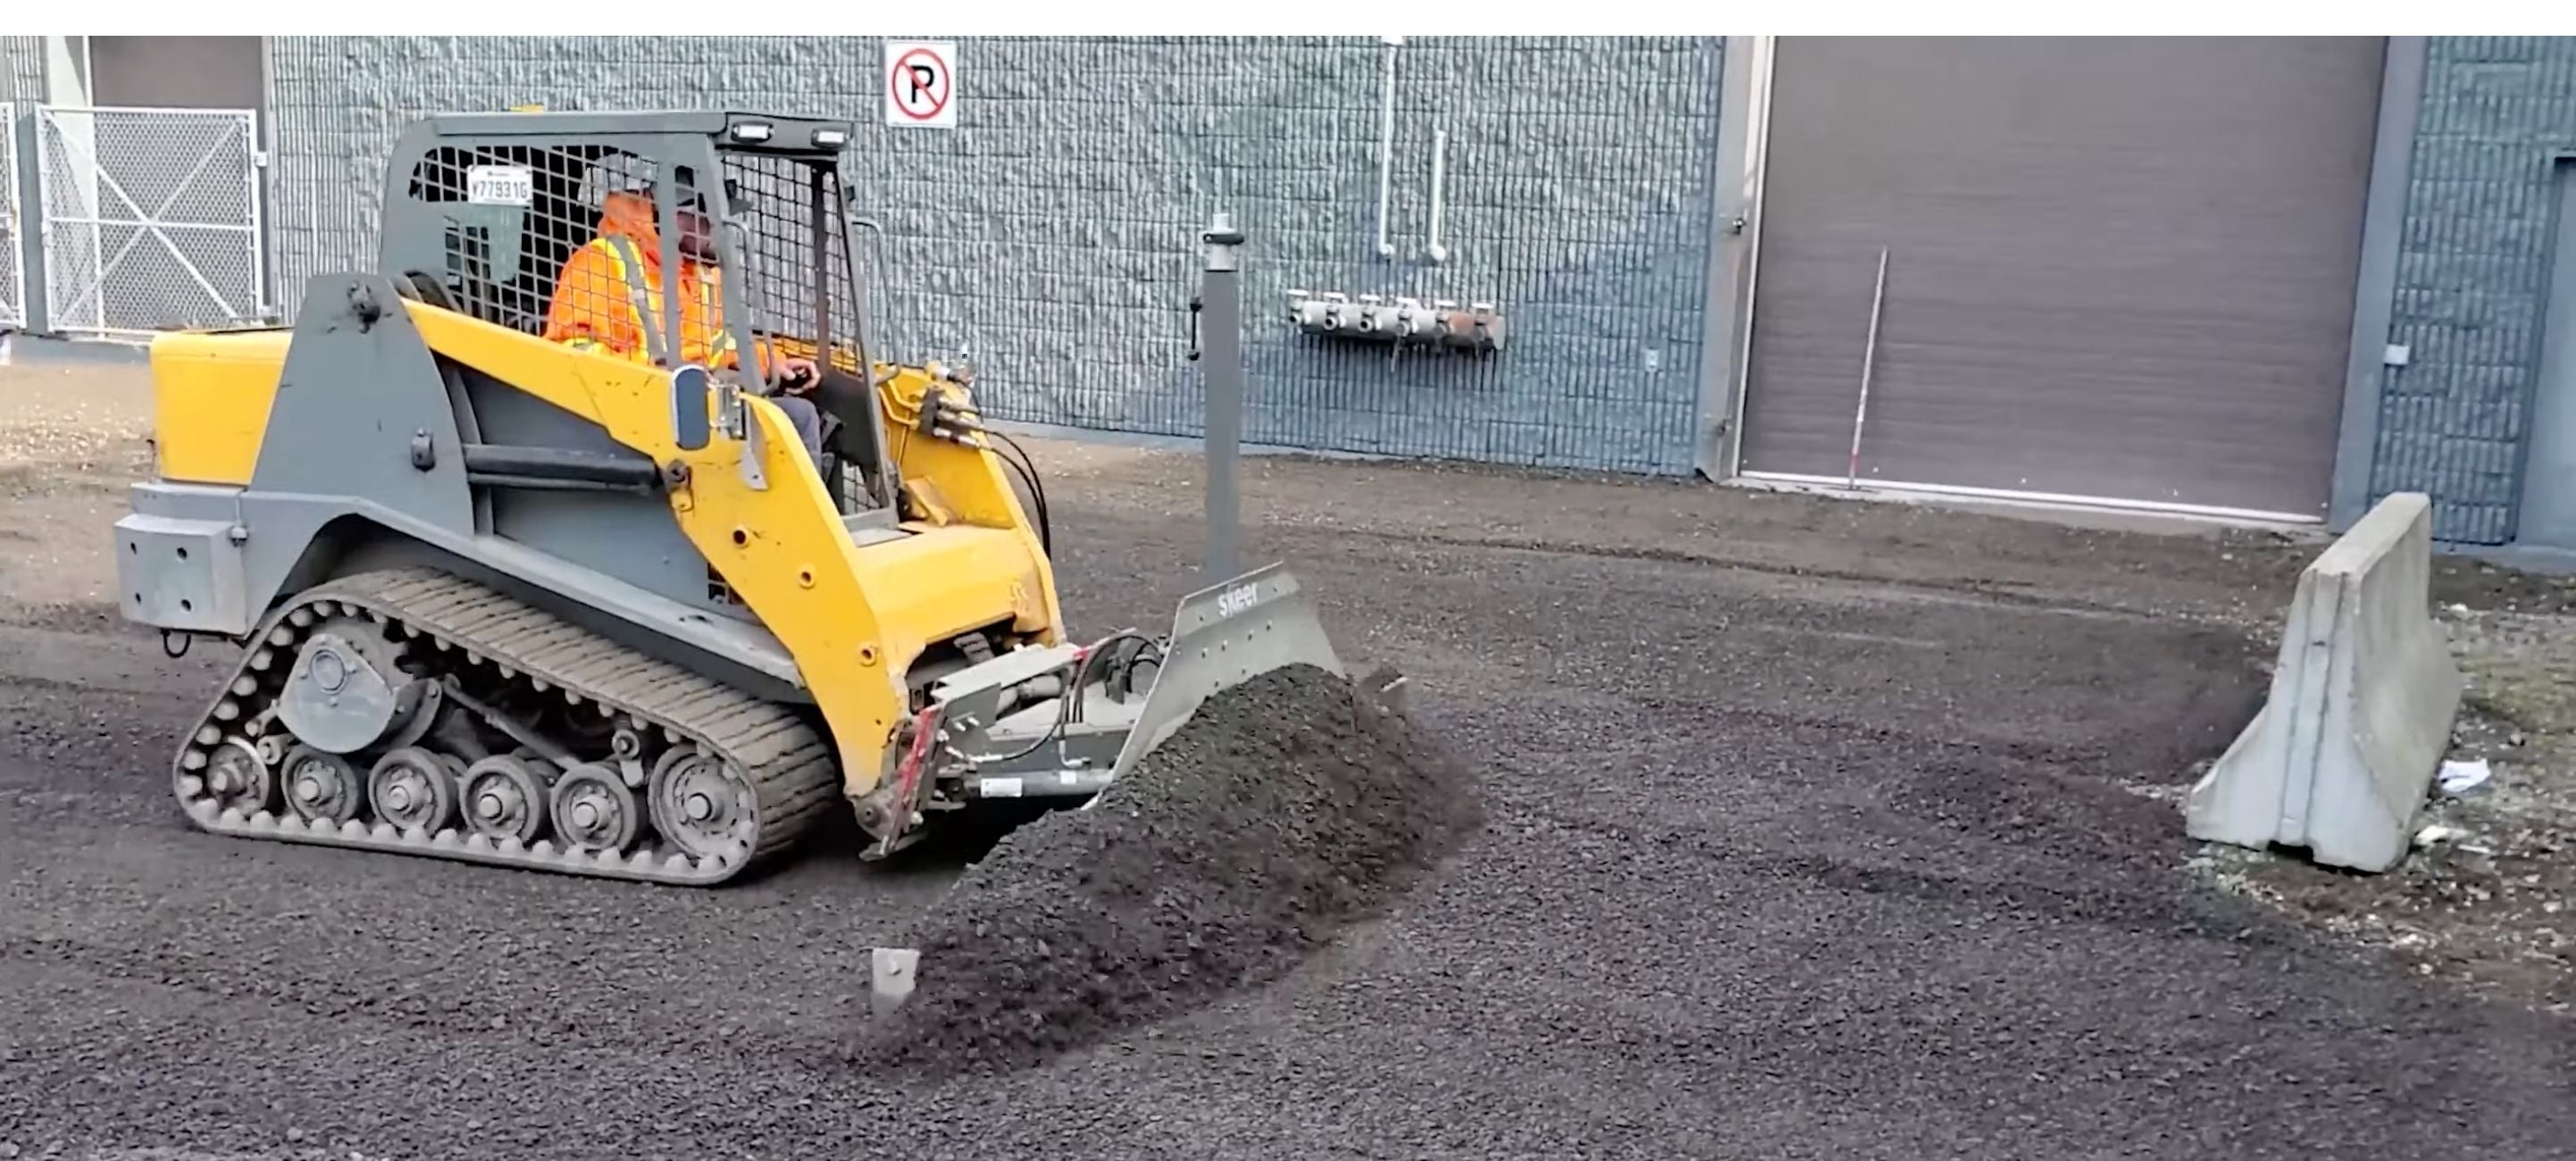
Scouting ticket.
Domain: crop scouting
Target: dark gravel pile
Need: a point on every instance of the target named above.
(1287, 808)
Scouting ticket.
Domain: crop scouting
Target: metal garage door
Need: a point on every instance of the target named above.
(2117, 268)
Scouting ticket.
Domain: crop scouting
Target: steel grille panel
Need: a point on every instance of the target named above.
(504, 261)
(779, 201)
(779, 205)
(151, 219)
(794, 229)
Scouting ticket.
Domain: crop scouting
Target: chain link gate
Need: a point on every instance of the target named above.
(151, 219)
(13, 282)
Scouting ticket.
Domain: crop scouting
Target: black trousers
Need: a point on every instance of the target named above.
(852, 403)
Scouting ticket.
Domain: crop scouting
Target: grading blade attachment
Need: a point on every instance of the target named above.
(1223, 636)
(1097, 717)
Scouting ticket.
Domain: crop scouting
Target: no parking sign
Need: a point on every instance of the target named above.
(921, 84)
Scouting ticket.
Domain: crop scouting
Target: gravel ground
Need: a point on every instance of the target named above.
(1805, 836)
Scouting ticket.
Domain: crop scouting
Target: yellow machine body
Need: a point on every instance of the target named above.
(210, 400)
(854, 618)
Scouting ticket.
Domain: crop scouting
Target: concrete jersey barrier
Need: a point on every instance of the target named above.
(2340, 757)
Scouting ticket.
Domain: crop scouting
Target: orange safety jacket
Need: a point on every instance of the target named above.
(609, 296)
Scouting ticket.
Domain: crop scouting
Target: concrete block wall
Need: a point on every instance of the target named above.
(1053, 233)
(2473, 274)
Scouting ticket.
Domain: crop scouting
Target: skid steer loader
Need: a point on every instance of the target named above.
(550, 605)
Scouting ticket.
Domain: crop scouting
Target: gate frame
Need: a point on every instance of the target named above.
(255, 231)
(14, 314)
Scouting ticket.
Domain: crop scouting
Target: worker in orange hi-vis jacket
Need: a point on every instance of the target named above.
(614, 282)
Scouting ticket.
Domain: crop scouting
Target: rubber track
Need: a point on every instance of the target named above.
(790, 766)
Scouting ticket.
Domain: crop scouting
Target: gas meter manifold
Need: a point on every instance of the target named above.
(1403, 321)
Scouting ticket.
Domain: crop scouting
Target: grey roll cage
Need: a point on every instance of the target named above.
(690, 142)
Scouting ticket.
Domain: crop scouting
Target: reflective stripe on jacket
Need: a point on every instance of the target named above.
(609, 296)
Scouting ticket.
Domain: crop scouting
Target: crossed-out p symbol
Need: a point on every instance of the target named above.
(920, 83)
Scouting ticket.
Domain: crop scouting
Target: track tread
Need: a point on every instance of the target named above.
(789, 765)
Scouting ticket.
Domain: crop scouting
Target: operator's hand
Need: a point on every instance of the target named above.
(797, 376)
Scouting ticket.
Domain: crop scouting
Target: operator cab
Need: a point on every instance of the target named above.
(491, 206)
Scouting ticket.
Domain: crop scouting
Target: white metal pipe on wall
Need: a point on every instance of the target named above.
(1439, 170)
(1386, 149)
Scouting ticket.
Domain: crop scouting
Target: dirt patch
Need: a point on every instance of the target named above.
(2184, 695)
(2204, 684)
(2475, 584)
(2036, 810)
(2466, 581)
(71, 440)
(1286, 809)
(73, 417)
(2488, 898)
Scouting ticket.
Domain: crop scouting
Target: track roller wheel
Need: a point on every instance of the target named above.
(594, 809)
(701, 804)
(413, 789)
(504, 799)
(235, 778)
(321, 785)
